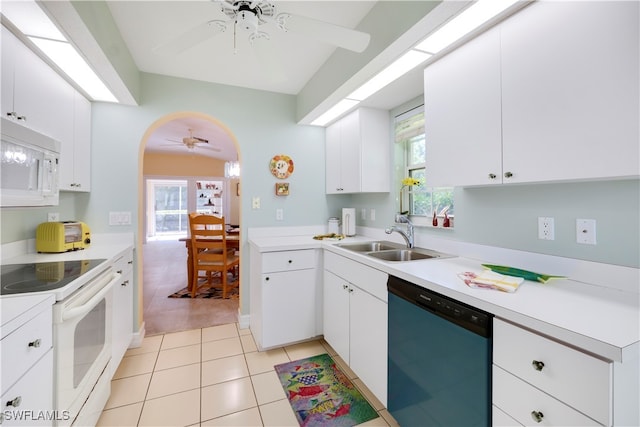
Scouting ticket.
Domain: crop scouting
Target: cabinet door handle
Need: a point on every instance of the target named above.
(537, 365)
(125, 283)
(36, 343)
(15, 402)
(508, 174)
(130, 262)
(537, 416)
(492, 176)
(119, 271)
(345, 286)
(266, 278)
(290, 261)
(350, 289)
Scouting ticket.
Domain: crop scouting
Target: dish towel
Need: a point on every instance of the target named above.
(488, 279)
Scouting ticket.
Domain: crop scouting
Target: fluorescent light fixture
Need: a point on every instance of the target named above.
(71, 63)
(399, 67)
(477, 14)
(335, 111)
(31, 20)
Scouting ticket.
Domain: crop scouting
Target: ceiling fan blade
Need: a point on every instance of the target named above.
(208, 147)
(346, 38)
(190, 38)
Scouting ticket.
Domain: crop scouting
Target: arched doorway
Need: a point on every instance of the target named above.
(182, 156)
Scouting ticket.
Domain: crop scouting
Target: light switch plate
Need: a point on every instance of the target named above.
(255, 202)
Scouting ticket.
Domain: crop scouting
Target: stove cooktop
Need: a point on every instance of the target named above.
(42, 276)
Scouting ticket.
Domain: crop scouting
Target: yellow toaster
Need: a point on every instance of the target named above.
(63, 236)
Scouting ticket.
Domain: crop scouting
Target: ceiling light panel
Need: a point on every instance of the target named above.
(398, 68)
(72, 64)
(477, 14)
(337, 110)
(30, 19)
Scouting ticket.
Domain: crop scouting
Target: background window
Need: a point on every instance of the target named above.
(421, 200)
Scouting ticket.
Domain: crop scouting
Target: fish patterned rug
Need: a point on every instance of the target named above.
(322, 395)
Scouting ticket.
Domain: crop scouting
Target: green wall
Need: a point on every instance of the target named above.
(264, 125)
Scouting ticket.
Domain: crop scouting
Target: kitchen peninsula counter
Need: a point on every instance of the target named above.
(598, 318)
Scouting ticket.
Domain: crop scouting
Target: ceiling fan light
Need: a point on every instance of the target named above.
(247, 20)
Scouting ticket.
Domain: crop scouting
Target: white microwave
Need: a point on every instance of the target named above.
(29, 167)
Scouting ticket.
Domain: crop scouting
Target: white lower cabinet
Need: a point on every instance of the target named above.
(29, 402)
(537, 380)
(27, 360)
(122, 321)
(284, 297)
(355, 319)
(500, 419)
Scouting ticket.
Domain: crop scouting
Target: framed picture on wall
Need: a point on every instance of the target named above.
(282, 189)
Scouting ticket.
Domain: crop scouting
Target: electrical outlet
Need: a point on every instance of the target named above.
(586, 231)
(53, 216)
(363, 214)
(279, 214)
(546, 229)
(373, 214)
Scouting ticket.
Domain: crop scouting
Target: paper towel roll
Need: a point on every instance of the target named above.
(349, 221)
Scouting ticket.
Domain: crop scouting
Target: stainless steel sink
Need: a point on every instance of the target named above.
(370, 246)
(390, 251)
(405, 255)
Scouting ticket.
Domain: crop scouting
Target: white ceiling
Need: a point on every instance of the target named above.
(282, 64)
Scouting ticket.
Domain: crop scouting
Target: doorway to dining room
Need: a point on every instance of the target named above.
(177, 180)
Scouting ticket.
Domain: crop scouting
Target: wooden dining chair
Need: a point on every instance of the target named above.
(210, 253)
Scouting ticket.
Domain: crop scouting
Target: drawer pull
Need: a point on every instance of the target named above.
(290, 261)
(130, 262)
(345, 286)
(125, 283)
(15, 402)
(492, 176)
(508, 174)
(537, 365)
(266, 278)
(36, 343)
(537, 416)
(119, 271)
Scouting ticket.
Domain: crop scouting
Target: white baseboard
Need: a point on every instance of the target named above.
(243, 320)
(136, 339)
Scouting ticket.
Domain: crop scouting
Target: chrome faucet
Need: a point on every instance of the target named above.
(407, 235)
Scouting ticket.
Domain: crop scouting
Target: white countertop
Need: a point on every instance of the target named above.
(597, 319)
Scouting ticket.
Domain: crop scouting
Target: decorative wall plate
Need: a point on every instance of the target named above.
(281, 166)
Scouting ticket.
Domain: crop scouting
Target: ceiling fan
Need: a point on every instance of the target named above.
(191, 142)
(252, 16)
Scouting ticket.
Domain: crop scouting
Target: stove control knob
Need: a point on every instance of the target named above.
(35, 343)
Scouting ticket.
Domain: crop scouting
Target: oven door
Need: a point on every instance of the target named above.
(82, 341)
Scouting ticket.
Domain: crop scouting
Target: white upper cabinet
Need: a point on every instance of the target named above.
(32, 93)
(462, 115)
(358, 153)
(570, 91)
(551, 94)
(75, 156)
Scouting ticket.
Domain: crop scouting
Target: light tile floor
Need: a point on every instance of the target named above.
(212, 376)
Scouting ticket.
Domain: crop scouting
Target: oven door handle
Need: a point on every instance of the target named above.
(89, 305)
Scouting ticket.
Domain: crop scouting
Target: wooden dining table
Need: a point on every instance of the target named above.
(233, 243)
